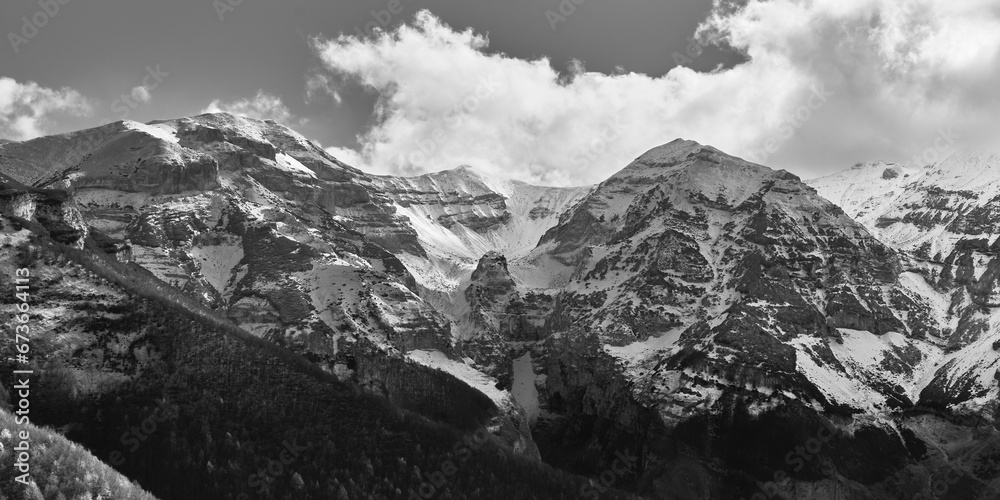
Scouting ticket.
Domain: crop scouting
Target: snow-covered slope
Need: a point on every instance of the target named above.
(126, 155)
(460, 215)
(865, 191)
(685, 282)
(929, 208)
(258, 222)
(744, 265)
(945, 219)
(747, 267)
(251, 218)
(757, 272)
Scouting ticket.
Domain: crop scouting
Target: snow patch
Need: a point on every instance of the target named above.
(478, 380)
(524, 390)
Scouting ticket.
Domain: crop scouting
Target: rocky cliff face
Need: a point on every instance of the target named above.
(698, 284)
(943, 220)
(249, 217)
(460, 215)
(689, 299)
(696, 251)
(54, 210)
(496, 305)
(124, 156)
(255, 221)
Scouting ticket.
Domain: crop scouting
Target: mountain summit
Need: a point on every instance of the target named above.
(692, 306)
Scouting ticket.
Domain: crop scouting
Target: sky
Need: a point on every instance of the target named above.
(556, 92)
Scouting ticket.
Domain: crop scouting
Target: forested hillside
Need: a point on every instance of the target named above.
(190, 406)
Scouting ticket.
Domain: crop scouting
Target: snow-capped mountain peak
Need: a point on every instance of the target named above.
(686, 281)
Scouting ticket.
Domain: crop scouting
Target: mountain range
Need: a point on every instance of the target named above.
(708, 318)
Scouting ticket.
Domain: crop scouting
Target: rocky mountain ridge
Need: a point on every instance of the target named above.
(943, 220)
(688, 286)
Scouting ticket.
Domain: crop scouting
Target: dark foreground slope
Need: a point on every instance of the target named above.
(67, 467)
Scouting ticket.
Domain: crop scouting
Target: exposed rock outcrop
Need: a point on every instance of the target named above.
(55, 210)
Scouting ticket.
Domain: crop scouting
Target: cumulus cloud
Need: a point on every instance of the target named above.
(27, 109)
(140, 94)
(262, 106)
(826, 83)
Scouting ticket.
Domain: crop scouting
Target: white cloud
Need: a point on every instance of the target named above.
(140, 94)
(894, 72)
(318, 84)
(27, 109)
(262, 106)
(346, 155)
